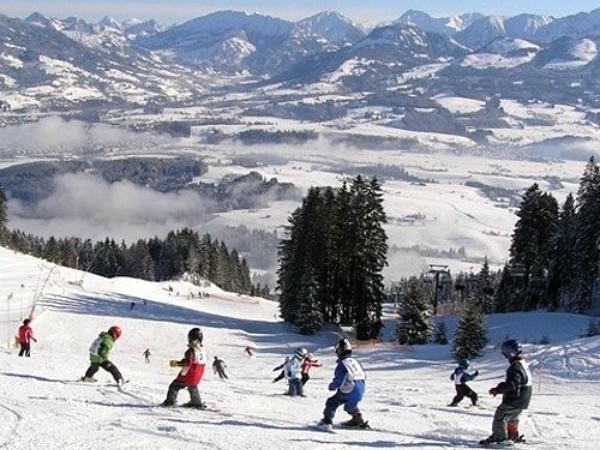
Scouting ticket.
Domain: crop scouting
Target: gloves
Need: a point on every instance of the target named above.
(173, 363)
(476, 373)
(493, 391)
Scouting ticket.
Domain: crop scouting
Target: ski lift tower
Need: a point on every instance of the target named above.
(437, 270)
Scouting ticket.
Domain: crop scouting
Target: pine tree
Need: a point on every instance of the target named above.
(440, 333)
(310, 318)
(470, 338)
(413, 326)
(587, 237)
(485, 288)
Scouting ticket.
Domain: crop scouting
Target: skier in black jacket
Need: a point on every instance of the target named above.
(460, 376)
(516, 393)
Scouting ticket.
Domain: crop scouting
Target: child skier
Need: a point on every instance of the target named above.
(191, 373)
(308, 362)
(99, 354)
(349, 384)
(293, 374)
(25, 337)
(516, 393)
(460, 376)
(147, 355)
(219, 367)
(281, 376)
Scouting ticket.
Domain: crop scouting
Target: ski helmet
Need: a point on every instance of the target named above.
(463, 363)
(195, 335)
(310, 356)
(343, 347)
(511, 349)
(300, 353)
(114, 332)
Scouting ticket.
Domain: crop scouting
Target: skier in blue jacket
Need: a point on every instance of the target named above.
(460, 376)
(349, 384)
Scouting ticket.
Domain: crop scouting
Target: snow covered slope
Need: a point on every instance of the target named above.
(42, 407)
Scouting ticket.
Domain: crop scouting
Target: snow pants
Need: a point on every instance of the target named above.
(295, 387)
(174, 389)
(504, 415)
(106, 365)
(350, 402)
(25, 349)
(462, 391)
(305, 378)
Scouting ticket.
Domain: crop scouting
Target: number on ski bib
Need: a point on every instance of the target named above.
(355, 371)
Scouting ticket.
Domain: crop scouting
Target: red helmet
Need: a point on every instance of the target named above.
(114, 332)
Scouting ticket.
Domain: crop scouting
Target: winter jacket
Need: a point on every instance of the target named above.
(219, 365)
(348, 377)
(193, 364)
(308, 363)
(516, 390)
(461, 376)
(101, 348)
(292, 369)
(25, 334)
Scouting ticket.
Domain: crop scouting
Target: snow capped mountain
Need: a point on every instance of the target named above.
(137, 29)
(332, 27)
(109, 22)
(445, 25)
(526, 26)
(578, 25)
(481, 32)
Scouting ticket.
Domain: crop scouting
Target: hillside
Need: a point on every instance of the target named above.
(41, 405)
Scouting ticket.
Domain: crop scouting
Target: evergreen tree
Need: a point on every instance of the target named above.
(587, 238)
(310, 318)
(470, 338)
(563, 260)
(413, 326)
(485, 288)
(440, 333)
(4, 234)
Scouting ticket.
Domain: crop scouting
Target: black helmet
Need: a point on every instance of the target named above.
(511, 349)
(195, 335)
(463, 363)
(343, 347)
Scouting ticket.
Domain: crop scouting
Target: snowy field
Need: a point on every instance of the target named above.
(41, 405)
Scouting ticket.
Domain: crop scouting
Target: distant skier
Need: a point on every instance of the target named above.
(349, 384)
(308, 363)
(25, 336)
(460, 376)
(249, 352)
(99, 356)
(192, 364)
(516, 393)
(219, 367)
(147, 355)
(281, 375)
(293, 372)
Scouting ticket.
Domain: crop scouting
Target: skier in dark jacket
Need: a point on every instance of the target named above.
(219, 367)
(516, 393)
(460, 376)
(100, 353)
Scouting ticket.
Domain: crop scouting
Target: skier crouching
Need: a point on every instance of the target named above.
(349, 382)
(192, 364)
(99, 355)
(460, 376)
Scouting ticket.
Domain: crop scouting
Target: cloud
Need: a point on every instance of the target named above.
(86, 206)
(74, 136)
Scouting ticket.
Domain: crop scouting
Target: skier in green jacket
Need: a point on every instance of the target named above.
(99, 356)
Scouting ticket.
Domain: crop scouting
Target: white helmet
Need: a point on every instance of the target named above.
(300, 353)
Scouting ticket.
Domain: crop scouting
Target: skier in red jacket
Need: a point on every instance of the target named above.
(189, 377)
(307, 364)
(25, 337)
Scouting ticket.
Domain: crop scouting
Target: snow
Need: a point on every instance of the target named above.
(582, 52)
(41, 405)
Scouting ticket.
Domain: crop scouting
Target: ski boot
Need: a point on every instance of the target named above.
(513, 432)
(88, 379)
(357, 421)
(325, 424)
(194, 405)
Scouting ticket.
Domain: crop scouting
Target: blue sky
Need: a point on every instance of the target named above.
(363, 11)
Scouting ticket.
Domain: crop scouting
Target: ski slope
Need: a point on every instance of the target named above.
(41, 405)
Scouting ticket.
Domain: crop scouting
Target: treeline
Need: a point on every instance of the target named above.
(182, 251)
(332, 257)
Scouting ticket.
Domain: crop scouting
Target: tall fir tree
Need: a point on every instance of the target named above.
(470, 339)
(587, 238)
(413, 325)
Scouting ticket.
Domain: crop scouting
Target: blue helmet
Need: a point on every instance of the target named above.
(463, 363)
(511, 349)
